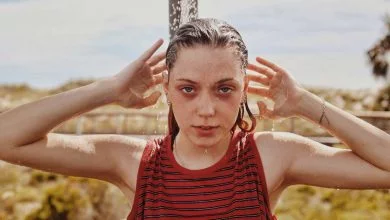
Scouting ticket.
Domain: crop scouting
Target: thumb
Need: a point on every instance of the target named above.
(264, 112)
(151, 99)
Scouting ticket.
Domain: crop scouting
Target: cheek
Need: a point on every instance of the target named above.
(231, 113)
(226, 110)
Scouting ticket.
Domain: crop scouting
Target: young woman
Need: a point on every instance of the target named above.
(211, 165)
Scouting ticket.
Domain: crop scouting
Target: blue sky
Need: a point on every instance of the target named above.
(322, 43)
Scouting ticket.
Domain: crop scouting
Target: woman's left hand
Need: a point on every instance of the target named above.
(278, 85)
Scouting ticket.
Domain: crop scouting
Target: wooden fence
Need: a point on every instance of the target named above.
(121, 121)
(377, 118)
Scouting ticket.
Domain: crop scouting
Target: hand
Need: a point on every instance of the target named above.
(138, 77)
(280, 87)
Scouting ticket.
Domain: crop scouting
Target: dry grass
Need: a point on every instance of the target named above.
(24, 192)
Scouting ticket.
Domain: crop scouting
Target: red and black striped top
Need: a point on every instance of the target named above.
(232, 188)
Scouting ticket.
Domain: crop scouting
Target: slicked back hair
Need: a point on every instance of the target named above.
(216, 34)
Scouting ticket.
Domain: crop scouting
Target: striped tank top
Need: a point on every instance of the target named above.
(232, 188)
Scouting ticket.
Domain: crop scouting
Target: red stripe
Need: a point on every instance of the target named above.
(203, 194)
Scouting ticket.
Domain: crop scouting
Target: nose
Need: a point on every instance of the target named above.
(206, 106)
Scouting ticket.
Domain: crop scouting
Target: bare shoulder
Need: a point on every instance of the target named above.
(281, 143)
(128, 159)
(108, 157)
(270, 142)
(276, 155)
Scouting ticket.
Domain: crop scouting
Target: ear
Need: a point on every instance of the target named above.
(165, 82)
(246, 84)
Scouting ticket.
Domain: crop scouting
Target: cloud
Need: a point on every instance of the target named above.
(46, 42)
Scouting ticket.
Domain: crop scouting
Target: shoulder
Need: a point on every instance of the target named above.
(284, 145)
(277, 150)
(279, 141)
(274, 145)
(141, 151)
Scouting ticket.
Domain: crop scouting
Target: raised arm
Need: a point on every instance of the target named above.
(365, 165)
(25, 137)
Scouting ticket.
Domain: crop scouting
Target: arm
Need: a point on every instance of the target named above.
(25, 137)
(304, 161)
(31, 144)
(366, 165)
(366, 141)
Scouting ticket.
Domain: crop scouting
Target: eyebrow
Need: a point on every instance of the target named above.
(219, 81)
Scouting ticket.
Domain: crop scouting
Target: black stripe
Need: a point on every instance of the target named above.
(241, 154)
(199, 201)
(193, 187)
(251, 165)
(189, 180)
(154, 208)
(161, 171)
(211, 208)
(240, 216)
(197, 194)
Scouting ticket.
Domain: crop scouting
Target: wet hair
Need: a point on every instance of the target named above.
(214, 33)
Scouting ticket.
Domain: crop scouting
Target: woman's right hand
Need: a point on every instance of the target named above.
(135, 79)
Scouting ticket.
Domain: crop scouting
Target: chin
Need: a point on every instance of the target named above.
(206, 141)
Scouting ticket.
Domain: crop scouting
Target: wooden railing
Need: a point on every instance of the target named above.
(379, 119)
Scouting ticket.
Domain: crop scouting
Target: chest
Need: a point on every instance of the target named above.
(236, 190)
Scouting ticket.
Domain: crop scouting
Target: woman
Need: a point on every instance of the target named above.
(211, 164)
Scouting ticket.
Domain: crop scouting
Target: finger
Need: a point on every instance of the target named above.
(264, 70)
(158, 79)
(159, 68)
(148, 53)
(259, 91)
(260, 79)
(156, 58)
(264, 112)
(269, 64)
(150, 100)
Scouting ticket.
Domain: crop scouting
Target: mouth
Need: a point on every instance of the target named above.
(203, 127)
(205, 131)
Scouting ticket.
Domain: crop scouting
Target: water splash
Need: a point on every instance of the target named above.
(189, 11)
(181, 12)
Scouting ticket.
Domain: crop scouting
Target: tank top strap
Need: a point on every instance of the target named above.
(252, 143)
(148, 156)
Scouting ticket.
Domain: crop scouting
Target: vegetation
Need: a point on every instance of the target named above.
(31, 194)
(379, 59)
(377, 54)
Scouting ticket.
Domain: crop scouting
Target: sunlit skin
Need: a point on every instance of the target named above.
(205, 87)
(287, 158)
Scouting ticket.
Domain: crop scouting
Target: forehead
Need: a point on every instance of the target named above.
(202, 63)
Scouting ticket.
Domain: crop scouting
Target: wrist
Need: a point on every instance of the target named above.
(108, 89)
(309, 106)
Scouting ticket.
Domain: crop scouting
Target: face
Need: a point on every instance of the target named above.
(206, 86)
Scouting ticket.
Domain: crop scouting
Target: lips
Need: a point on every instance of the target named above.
(206, 127)
(205, 131)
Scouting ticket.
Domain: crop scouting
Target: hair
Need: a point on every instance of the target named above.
(214, 33)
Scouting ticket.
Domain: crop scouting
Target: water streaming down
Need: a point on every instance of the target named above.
(181, 12)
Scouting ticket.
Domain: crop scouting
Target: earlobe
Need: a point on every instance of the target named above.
(165, 81)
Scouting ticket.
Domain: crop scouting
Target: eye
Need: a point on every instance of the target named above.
(225, 90)
(187, 89)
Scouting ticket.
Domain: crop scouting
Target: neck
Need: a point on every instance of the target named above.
(194, 156)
